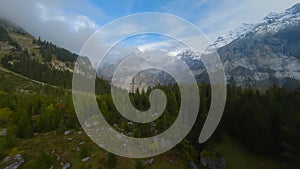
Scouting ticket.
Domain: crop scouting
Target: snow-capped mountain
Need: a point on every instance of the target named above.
(272, 23)
(257, 55)
(253, 55)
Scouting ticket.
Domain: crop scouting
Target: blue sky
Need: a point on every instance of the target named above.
(69, 23)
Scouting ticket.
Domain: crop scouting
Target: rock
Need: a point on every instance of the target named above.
(85, 159)
(171, 161)
(6, 159)
(58, 157)
(69, 139)
(149, 161)
(82, 142)
(191, 165)
(3, 132)
(67, 132)
(14, 162)
(218, 163)
(66, 165)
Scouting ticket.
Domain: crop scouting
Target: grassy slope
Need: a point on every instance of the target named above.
(67, 150)
(237, 157)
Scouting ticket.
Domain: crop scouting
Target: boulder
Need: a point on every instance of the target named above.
(58, 157)
(149, 161)
(67, 132)
(191, 165)
(65, 165)
(14, 162)
(218, 163)
(85, 159)
(3, 132)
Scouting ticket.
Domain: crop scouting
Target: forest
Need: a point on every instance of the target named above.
(264, 123)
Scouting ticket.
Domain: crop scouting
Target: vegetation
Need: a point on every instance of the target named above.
(269, 128)
(111, 161)
(256, 126)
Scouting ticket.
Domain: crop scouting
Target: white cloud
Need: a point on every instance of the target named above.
(69, 24)
(217, 17)
(230, 14)
(173, 47)
(51, 20)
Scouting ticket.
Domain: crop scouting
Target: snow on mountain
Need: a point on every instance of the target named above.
(257, 55)
(253, 55)
(272, 23)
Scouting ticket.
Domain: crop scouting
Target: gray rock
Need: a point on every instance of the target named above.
(58, 157)
(3, 132)
(67, 132)
(218, 163)
(85, 159)
(65, 165)
(191, 165)
(149, 161)
(15, 161)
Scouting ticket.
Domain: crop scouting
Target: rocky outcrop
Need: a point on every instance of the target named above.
(191, 165)
(13, 162)
(218, 163)
(254, 55)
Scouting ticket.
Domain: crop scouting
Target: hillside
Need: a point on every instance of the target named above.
(39, 128)
(39, 60)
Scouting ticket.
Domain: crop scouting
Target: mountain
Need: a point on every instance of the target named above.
(270, 24)
(257, 55)
(254, 55)
(257, 60)
(39, 60)
(33, 58)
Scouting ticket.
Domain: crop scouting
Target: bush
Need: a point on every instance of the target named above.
(43, 161)
(111, 161)
(84, 151)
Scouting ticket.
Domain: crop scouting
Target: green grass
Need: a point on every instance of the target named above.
(29, 148)
(235, 155)
(237, 158)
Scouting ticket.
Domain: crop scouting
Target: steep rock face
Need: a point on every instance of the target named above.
(270, 24)
(257, 55)
(253, 55)
(219, 163)
(255, 58)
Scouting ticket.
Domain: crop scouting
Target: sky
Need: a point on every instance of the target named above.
(69, 23)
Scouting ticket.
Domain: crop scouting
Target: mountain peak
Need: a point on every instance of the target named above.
(295, 9)
(271, 23)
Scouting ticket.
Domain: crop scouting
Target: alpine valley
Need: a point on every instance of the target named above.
(39, 128)
(254, 55)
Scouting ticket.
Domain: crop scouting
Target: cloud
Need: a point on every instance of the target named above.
(170, 46)
(231, 14)
(218, 17)
(52, 20)
(70, 23)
